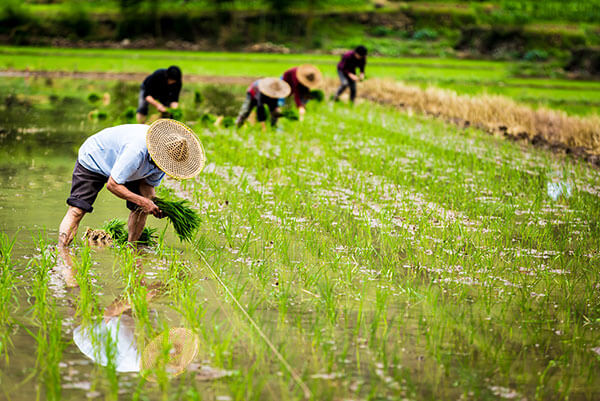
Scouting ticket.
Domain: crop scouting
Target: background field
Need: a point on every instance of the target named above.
(386, 255)
(463, 76)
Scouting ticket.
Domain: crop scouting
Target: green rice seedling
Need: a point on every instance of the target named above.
(88, 308)
(117, 229)
(93, 97)
(128, 115)
(49, 335)
(8, 296)
(185, 220)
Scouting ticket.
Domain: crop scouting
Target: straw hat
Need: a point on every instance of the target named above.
(184, 345)
(274, 87)
(309, 76)
(175, 149)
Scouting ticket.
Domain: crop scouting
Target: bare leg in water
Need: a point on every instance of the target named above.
(66, 233)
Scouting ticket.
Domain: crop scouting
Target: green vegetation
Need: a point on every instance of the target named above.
(464, 76)
(385, 255)
(516, 29)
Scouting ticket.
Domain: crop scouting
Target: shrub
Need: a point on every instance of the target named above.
(535, 55)
(425, 34)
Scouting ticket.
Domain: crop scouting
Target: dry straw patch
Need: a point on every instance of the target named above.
(496, 114)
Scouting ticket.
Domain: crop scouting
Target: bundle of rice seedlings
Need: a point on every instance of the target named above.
(117, 230)
(175, 114)
(228, 122)
(185, 220)
(208, 119)
(290, 114)
(148, 237)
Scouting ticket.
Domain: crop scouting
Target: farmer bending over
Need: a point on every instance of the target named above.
(346, 69)
(266, 91)
(131, 160)
(302, 80)
(161, 90)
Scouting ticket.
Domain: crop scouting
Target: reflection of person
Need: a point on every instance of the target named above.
(131, 160)
(113, 337)
(346, 69)
(161, 90)
(302, 80)
(266, 91)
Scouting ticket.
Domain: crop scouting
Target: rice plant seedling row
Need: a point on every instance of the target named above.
(384, 255)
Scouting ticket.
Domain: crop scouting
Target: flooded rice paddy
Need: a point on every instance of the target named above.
(384, 256)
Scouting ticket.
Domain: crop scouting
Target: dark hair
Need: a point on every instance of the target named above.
(174, 73)
(361, 50)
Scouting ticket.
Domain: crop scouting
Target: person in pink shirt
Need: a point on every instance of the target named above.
(302, 80)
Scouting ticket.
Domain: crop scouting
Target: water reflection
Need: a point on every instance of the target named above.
(113, 341)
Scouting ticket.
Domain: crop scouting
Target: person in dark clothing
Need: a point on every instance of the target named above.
(346, 69)
(161, 90)
(261, 93)
(302, 80)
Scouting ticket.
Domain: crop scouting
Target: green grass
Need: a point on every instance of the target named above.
(464, 76)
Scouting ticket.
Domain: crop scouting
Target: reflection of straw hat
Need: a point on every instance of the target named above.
(274, 87)
(175, 149)
(309, 76)
(183, 347)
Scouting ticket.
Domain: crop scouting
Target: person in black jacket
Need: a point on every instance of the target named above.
(161, 90)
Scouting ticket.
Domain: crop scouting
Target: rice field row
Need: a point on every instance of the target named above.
(384, 255)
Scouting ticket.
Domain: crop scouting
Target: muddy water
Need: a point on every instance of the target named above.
(36, 163)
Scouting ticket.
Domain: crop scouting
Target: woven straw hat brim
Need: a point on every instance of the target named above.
(274, 87)
(184, 349)
(309, 76)
(175, 149)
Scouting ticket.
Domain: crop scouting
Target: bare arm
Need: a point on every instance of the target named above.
(353, 76)
(156, 104)
(174, 105)
(143, 202)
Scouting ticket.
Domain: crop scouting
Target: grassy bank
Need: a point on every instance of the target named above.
(501, 30)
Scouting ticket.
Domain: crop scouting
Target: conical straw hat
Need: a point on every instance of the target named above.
(309, 76)
(274, 87)
(175, 149)
(184, 345)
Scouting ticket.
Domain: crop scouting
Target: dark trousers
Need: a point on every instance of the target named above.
(346, 82)
(249, 104)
